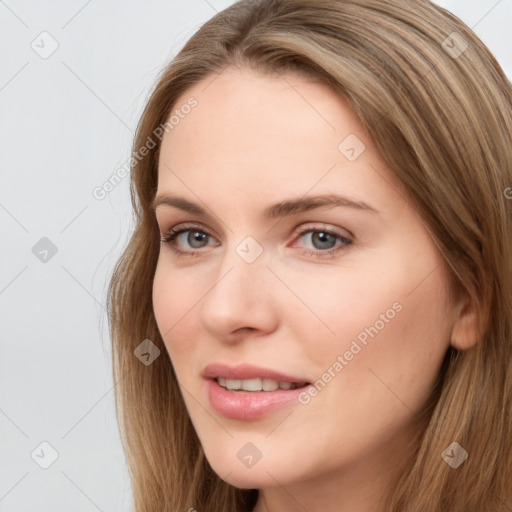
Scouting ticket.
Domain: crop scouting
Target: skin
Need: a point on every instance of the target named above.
(253, 141)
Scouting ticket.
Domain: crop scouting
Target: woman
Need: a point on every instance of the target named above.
(314, 311)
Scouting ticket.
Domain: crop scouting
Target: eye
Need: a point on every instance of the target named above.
(325, 242)
(186, 240)
(192, 238)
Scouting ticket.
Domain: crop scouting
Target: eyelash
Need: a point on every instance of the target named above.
(170, 240)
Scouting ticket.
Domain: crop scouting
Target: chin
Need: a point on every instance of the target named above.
(261, 475)
(245, 479)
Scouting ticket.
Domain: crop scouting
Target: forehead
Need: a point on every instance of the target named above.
(253, 135)
(242, 96)
(246, 118)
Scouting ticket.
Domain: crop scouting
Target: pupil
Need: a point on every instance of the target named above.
(325, 240)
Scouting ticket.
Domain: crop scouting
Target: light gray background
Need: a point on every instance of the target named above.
(67, 123)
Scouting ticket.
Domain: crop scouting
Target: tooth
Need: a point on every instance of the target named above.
(270, 385)
(233, 383)
(252, 384)
(257, 384)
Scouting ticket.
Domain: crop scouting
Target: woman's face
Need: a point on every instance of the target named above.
(350, 295)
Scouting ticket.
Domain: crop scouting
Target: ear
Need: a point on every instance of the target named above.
(465, 332)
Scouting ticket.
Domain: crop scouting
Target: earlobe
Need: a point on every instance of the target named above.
(465, 332)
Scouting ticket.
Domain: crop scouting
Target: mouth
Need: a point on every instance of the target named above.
(251, 399)
(247, 392)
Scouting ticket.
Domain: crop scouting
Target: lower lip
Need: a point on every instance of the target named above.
(249, 405)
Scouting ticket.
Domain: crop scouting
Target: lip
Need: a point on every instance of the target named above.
(247, 371)
(248, 405)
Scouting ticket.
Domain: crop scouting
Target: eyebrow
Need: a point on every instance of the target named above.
(278, 210)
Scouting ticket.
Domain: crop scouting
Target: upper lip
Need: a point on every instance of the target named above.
(246, 371)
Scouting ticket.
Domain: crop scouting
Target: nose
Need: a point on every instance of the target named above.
(239, 300)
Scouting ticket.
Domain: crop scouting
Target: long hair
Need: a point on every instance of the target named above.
(439, 108)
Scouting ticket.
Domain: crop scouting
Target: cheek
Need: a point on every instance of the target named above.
(392, 341)
(388, 319)
(174, 296)
(164, 288)
(356, 301)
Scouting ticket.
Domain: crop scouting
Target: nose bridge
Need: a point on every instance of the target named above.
(241, 272)
(239, 296)
(245, 261)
